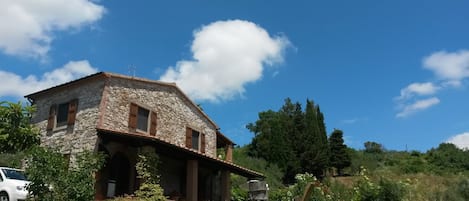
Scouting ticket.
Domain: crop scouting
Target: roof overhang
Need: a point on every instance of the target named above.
(181, 152)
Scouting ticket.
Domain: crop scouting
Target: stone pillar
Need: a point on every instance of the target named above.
(229, 152)
(192, 180)
(225, 185)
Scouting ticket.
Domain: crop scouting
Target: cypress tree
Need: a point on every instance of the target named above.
(339, 155)
(314, 158)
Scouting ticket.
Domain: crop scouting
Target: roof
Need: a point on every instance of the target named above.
(105, 75)
(175, 149)
(222, 140)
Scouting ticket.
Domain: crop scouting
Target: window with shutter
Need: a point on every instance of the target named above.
(142, 120)
(72, 111)
(133, 116)
(51, 119)
(188, 137)
(153, 122)
(195, 140)
(202, 143)
(62, 115)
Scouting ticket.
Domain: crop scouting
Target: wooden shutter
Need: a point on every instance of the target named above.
(188, 138)
(133, 116)
(72, 112)
(51, 119)
(153, 123)
(202, 143)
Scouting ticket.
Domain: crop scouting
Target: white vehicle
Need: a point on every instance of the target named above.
(12, 185)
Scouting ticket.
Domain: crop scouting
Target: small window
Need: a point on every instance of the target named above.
(195, 140)
(62, 114)
(142, 119)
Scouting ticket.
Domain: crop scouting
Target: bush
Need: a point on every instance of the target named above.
(52, 179)
(385, 190)
(147, 170)
(11, 160)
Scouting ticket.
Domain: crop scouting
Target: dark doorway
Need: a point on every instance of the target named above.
(120, 173)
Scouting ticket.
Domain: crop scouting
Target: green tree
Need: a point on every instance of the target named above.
(448, 158)
(315, 151)
(16, 132)
(339, 155)
(294, 139)
(373, 147)
(53, 180)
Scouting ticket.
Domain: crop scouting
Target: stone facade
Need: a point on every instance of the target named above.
(105, 103)
(82, 135)
(174, 111)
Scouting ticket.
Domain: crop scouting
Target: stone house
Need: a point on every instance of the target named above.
(121, 115)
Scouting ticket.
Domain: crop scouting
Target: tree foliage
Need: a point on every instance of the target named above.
(147, 170)
(373, 147)
(340, 157)
(16, 132)
(53, 180)
(448, 158)
(294, 139)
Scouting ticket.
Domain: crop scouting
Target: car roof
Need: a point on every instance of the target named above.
(9, 168)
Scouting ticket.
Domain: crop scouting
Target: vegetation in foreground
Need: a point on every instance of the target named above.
(373, 173)
(291, 151)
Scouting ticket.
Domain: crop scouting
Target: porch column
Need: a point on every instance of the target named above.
(98, 187)
(225, 185)
(192, 180)
(229, 152)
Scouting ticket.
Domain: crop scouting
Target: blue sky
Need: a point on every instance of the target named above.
(394, 72)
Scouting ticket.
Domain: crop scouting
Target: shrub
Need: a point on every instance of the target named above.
(11, 160)
(147, 170)
(385, 190)
(52, 179)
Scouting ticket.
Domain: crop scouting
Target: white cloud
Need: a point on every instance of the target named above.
(460, 140)
(418, 106)
(19, 86)
(451, 68)
(449, 65)
(27, 26)
(426, 88)
(226, 56)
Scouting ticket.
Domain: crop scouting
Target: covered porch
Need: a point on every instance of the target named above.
(185, 174)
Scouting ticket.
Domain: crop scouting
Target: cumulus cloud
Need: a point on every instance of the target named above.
(19, 86)
(27, 26)
(460, 140)
(417, 106)
(449, 65)
(426, 88)
(226, 56)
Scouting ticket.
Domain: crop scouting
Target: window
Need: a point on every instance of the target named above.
(62, 114)
(142, 120)
(14, 174)
(195, 140)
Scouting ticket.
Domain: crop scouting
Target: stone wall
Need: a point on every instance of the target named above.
(82, 136)
(174, 112)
